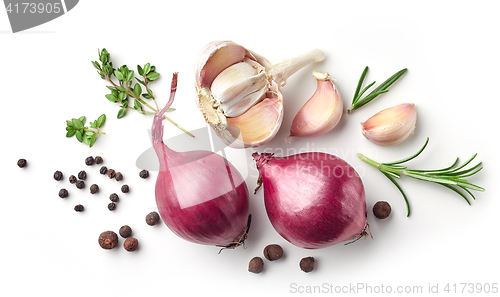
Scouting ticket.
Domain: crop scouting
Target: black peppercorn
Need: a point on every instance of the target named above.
(82, 174)
(119, 176)
(125, 189)
(103, 170)
(112, 206)
(256, 265)
(273, 252)
(152, 218)
(131, 244)
(58, 175)
(22, 163)
(144, 174)
(111, 173)
(80, 184)
(125, 231)
(307, 264)
(114, 197)
(108, 240)
(381, 209)
(79, 208)
(94, 189)
(72, 179)
(98, 160)
(63, 193)
(89, 161)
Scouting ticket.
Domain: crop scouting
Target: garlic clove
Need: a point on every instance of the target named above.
(391, 126)
(259, 124)
(322, 112)
(215, 57)
(246, 80)
(239, 87)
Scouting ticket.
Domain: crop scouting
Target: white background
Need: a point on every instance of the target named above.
(452, 53)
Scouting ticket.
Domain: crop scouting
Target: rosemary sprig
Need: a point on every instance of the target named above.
(357, 102)
(125, 88)
(452, 177)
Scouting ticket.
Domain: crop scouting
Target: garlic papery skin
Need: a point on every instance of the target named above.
(322, 112)
(239, 91)
(391, 126)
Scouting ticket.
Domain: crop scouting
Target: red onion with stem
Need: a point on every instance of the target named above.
(201, 197)
(313, 200)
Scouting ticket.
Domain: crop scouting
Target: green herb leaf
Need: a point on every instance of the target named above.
(118, 75)
(147, 96)
(170, 109)
(150, 92)
(147, 69)
(79, 135)
(69, 123)
(77, 124)
(357, 102)
(86, 139)
(101, 120)
(137, 105)
(139, 70)
(83, 119)
(111, 98)
(92, 125)
(70, 133)
(130, 75)
(153, 76)
(137, 90)
(122, 96)
(121, 89)
(93, 139)
(121, 113)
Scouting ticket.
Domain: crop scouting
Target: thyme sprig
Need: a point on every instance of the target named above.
(452, 177)
(125, 87)
(357, 102)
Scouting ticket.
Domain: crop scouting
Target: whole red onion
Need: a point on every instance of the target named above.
(314, 200)
(201, 197)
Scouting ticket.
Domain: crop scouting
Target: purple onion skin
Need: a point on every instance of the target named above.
(313, 200)
(200, 196)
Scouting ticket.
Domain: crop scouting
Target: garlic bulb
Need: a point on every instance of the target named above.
(391, 126)
(239, 91)
(322, 112)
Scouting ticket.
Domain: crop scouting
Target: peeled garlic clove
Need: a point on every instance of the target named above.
(322, 112)
(391, 126)
(233, 86)
(239, 87)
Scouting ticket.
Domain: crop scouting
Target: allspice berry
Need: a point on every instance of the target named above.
(112, 206)
(58, 175)
(119, 176)
(89, 161)
(111, 173)
(63, 193)
(22, 163)
(144, 174)
(79, 208)
(94, 189)
(72, 179)
(125, 189)
(256, 265)
(381, 209)
(125, 231)
(114, 198)
(307, 264)
(273, 252)
(108, 240)
(103, 170)
(82, 174)
(80, 184)
(152, 218)
(131, 244)
(98, 160)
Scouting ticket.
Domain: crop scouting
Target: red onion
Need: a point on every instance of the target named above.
(201, 197)
(313, 200)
